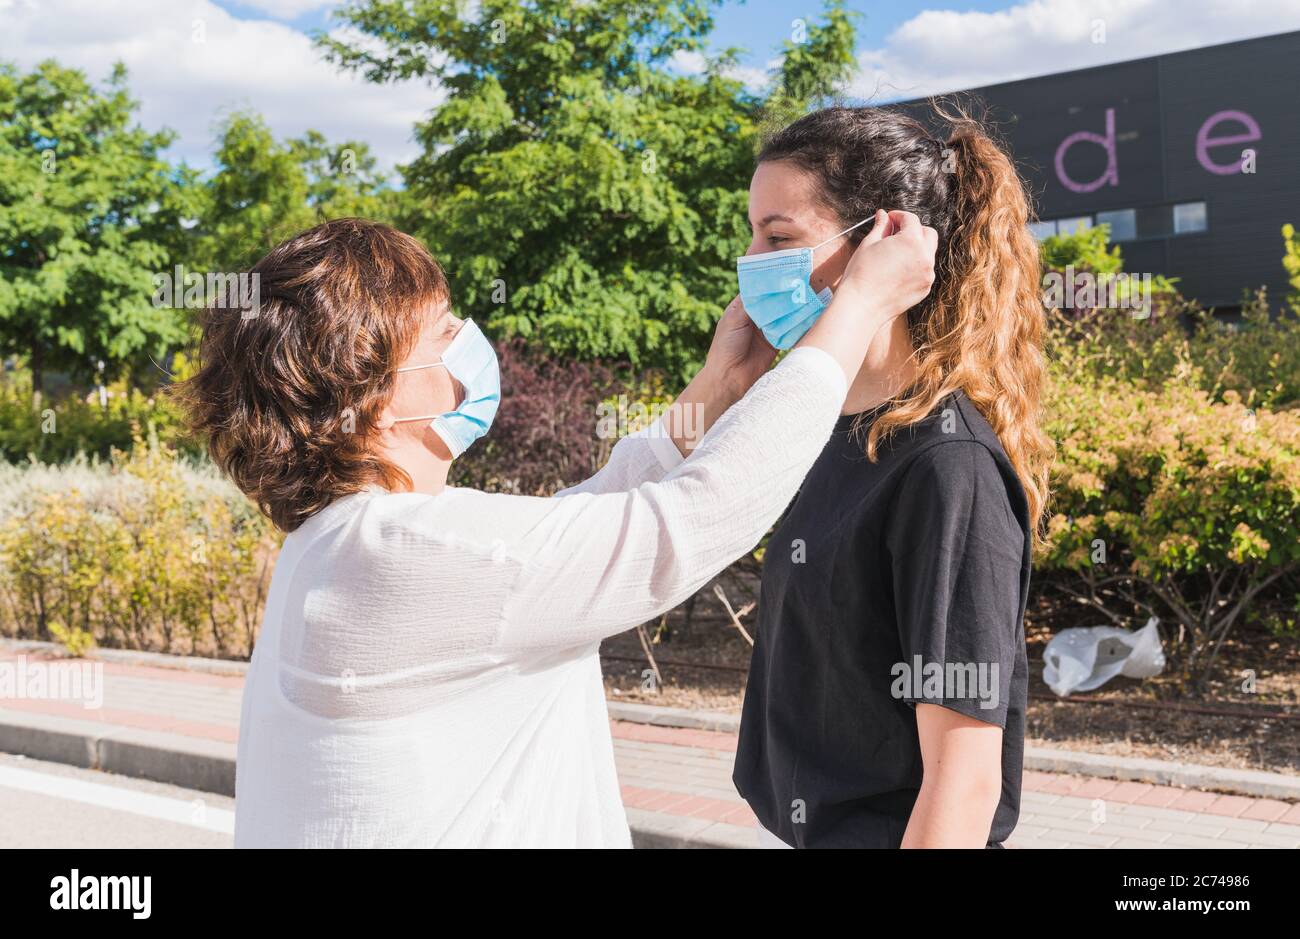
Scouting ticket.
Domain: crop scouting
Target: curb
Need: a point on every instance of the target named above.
(1244, 782)
(199, 764)
(722, 722)
(209, 766)
(1041, 759)
(655, 830)
(186, 663)
(191, 762)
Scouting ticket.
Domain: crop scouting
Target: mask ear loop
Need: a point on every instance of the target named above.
(816, 246)
(845, 232)
(416, 368)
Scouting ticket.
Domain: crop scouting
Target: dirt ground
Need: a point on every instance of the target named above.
(704, 667)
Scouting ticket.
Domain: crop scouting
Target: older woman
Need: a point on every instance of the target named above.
(427, 670)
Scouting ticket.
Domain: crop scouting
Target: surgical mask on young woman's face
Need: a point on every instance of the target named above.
(471, 360)
(776, 289)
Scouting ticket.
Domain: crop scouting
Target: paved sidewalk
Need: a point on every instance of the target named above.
(180, 726)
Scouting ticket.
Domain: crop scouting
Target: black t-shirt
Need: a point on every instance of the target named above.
(885, 584)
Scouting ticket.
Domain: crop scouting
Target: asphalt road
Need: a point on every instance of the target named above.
(50, 805)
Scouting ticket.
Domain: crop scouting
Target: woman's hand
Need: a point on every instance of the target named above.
(738, 355)
(894, 262)
(890, 272)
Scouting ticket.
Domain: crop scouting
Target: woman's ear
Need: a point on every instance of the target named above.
(386, 418)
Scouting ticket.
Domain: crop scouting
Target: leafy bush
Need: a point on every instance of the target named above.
(1171, 500)
(545, 435)
(146, 551)
(1085, 249)
(1088, 253)
(54, 430)
(1257, 358)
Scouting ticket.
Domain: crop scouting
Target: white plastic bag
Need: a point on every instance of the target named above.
(1085, 658)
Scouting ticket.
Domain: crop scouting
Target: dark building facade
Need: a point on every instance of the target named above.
(1193, 158)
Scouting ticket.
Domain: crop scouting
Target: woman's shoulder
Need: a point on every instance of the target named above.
(375, 521)
(954, 417)
(957, 460)
(954, 420)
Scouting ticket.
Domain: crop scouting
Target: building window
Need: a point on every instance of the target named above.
(1140, 224)
(1122, 222)
(1189, 217)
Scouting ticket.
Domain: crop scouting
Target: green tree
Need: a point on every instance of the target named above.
(265, 190)
(343, 179)
(256, 198)
(581, 192)
(89, 212)
(815, 64)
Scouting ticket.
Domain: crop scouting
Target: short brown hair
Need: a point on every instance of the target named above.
(287, 399)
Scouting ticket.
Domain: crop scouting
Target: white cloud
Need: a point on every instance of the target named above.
(190, 62)
(938, 51)
(689, 62)
(755, 79)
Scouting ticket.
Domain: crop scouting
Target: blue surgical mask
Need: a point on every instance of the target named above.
(776, 289)
(471, 360)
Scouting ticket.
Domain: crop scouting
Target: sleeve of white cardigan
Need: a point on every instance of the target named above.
(594, 564)
(642, 457)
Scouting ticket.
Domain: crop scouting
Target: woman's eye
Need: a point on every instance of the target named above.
(776, 239)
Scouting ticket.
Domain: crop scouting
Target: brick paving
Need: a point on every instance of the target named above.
(677, 781)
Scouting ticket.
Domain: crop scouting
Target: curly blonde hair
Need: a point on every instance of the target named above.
(981, 328)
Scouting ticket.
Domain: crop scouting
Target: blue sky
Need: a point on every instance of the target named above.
(757, 26)
(193, 61)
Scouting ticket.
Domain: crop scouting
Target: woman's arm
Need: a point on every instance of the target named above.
(962, 780)
(589, 566)
(737, 358)
(956, 552)
(642, 457)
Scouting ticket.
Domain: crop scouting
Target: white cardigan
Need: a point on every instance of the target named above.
(427, 670)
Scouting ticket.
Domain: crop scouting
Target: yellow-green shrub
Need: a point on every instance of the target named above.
(1257, 357)
(55, 428)
(145, 551)
(1169, 501)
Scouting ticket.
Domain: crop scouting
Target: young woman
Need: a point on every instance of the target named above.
(886, 696)
(427, 669)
